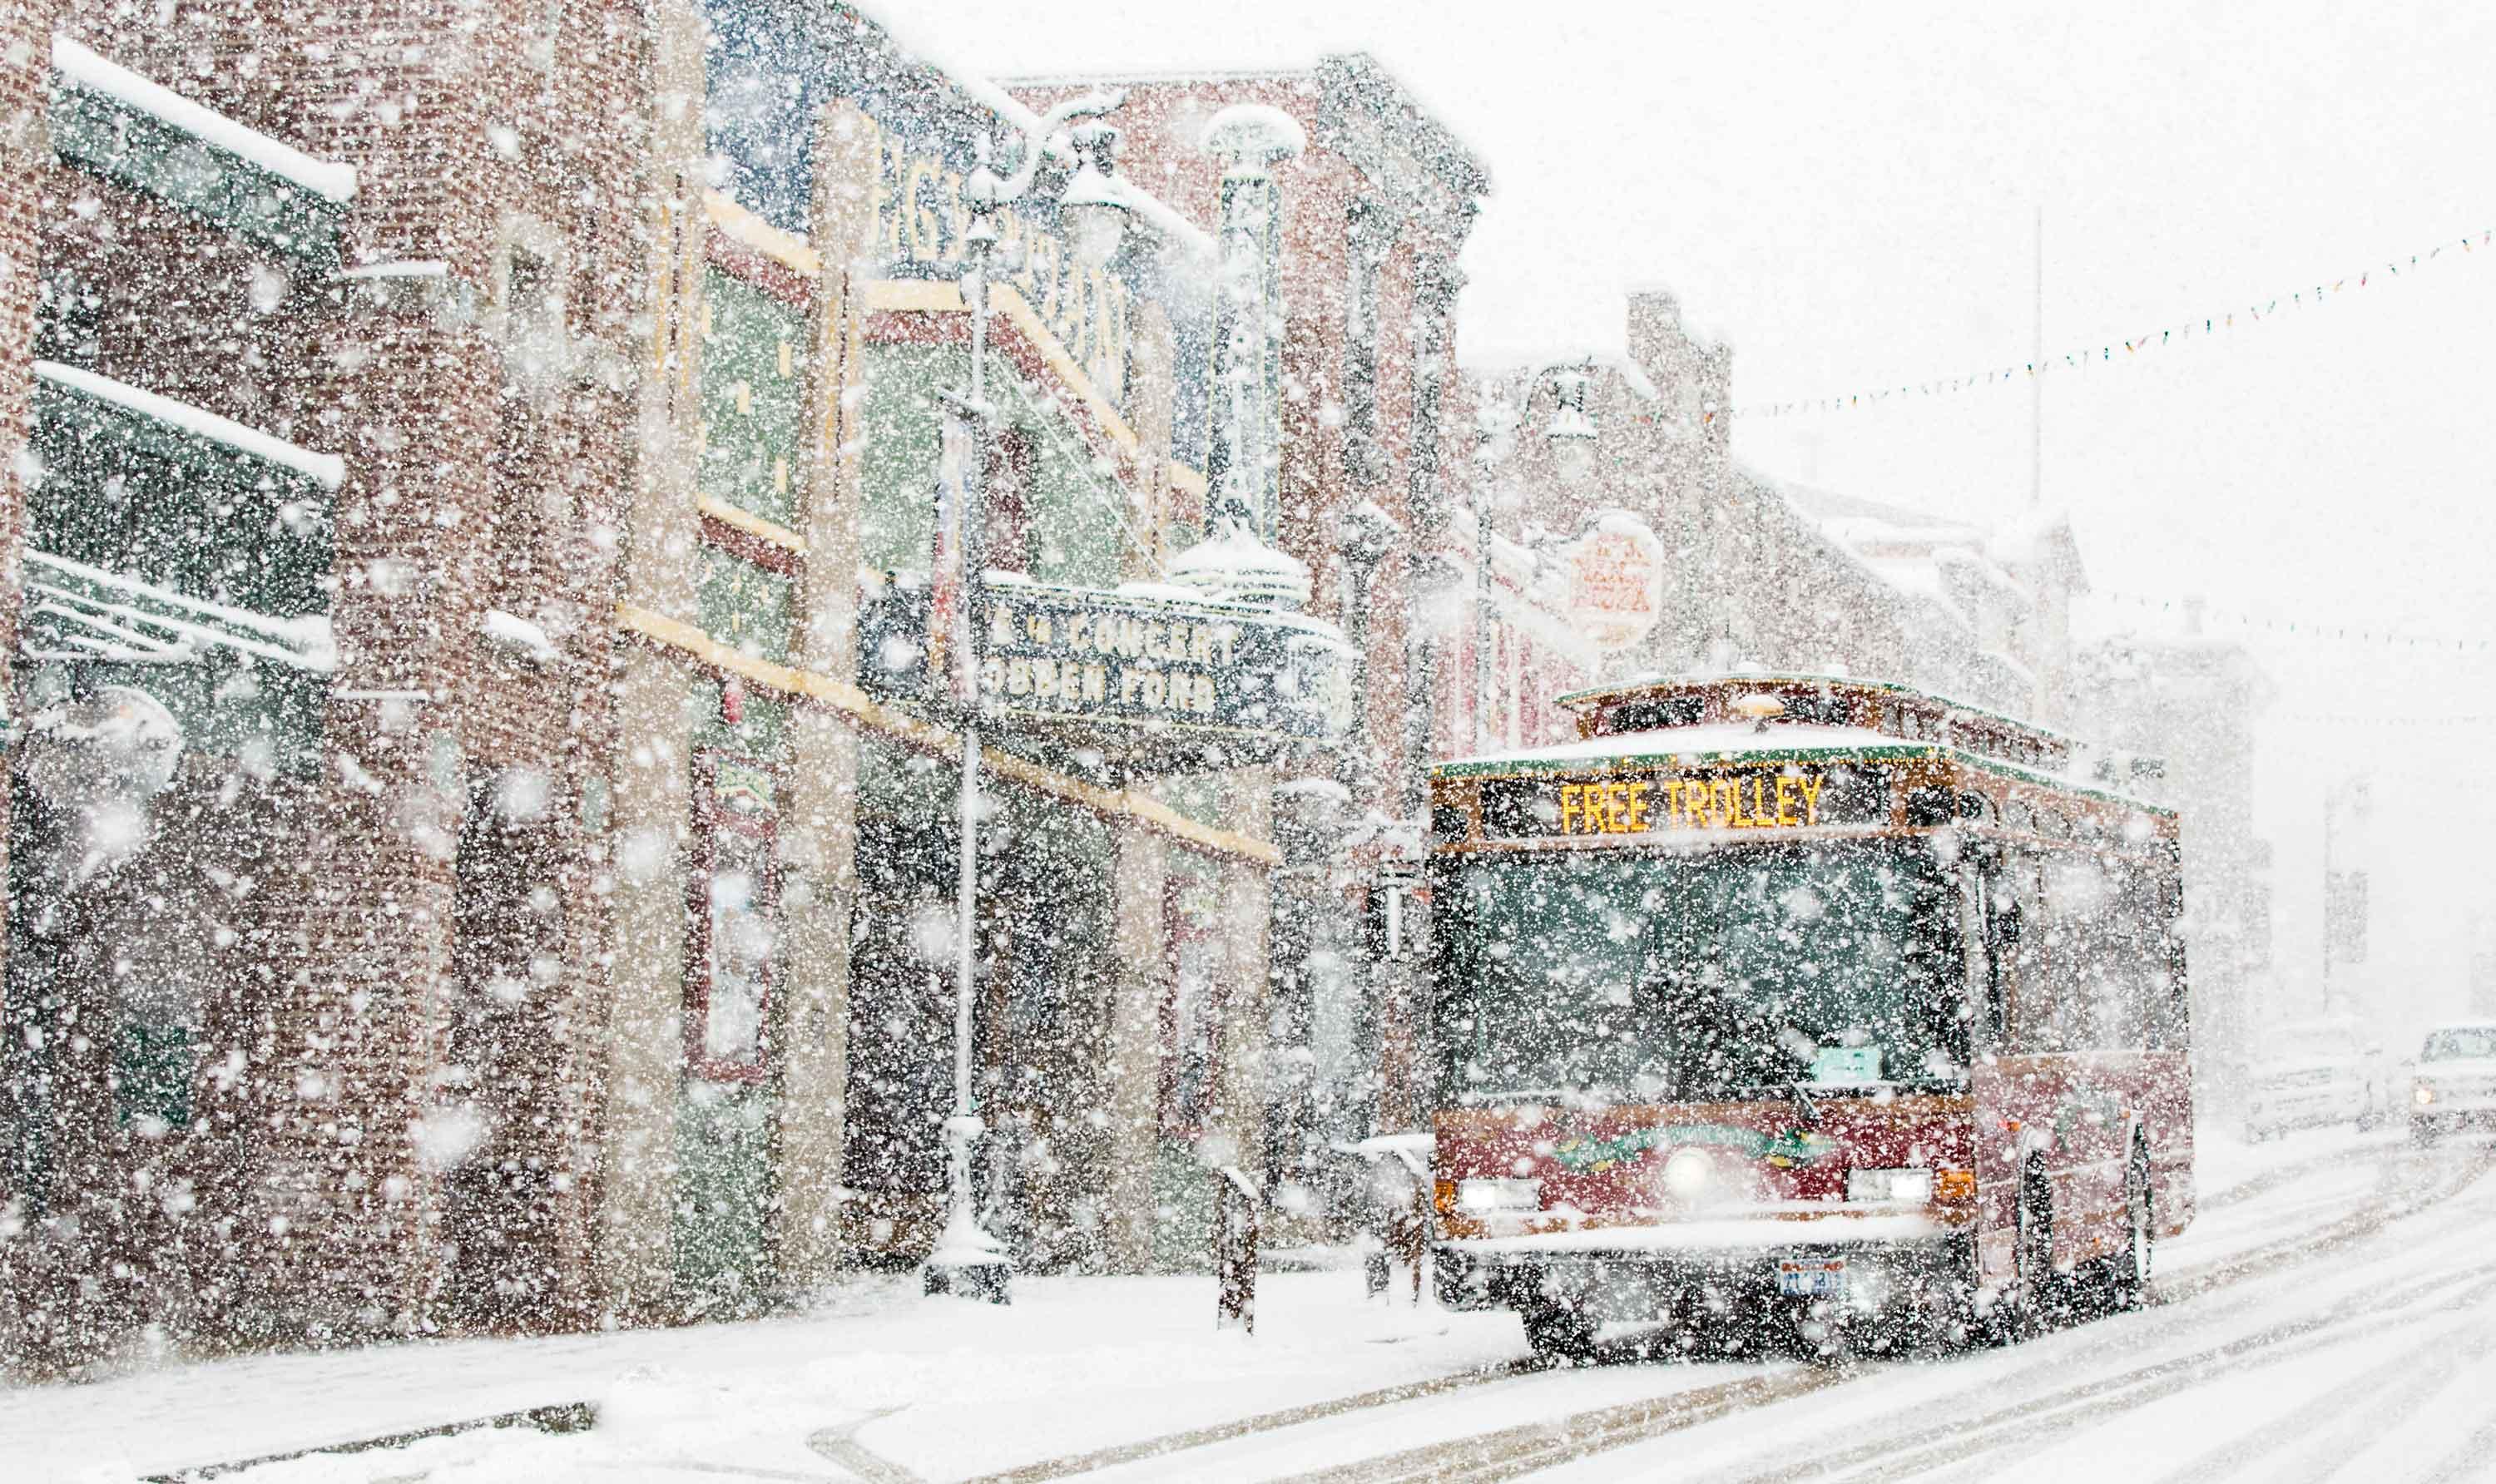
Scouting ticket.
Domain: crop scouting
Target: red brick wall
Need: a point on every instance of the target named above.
(327, 1209)
(24, 68)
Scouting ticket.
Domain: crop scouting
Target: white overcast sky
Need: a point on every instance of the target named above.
(1847, 194)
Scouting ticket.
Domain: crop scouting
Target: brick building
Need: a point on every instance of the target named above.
(481, 841)
(297, 493)
(1758, 570)
(478, 854)
(1376, 428)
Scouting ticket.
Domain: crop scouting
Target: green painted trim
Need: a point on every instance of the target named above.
(751, 458)
(136, 149)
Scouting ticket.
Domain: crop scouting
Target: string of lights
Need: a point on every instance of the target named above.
(2180, 333)
(2297, 628)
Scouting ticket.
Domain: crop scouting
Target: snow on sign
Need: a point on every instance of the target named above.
(1615, 580)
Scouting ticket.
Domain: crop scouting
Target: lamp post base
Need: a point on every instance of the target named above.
(989, 1279)
(967, 1263)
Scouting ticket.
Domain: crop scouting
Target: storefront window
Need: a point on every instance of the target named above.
(728, 995)
(1192, 1021)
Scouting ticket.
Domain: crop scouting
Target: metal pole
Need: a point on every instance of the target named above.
(2037, 381)
(975, 287)
(967, 1260)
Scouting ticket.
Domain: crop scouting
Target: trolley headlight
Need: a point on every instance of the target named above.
(2422, 1094)
(1486, 1195)
(1908, 1187)
(1688, 1174)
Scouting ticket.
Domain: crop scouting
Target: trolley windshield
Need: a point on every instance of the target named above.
(1709, 974)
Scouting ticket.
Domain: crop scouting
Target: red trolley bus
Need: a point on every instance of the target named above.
(1803, 1002)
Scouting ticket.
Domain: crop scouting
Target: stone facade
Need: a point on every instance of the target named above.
(2175, 717)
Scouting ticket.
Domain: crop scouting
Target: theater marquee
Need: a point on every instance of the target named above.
(1130, 663)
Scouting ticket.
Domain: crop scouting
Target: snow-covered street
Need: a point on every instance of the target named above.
(2327, 1315)
(971, 743)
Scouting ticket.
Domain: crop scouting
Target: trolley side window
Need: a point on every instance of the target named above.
(2091, 964)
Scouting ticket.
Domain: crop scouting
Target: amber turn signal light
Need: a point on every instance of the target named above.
(1953, 1185)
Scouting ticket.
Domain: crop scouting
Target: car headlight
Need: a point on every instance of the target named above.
(1484, 1195)
(1911, 1186)
(2422, 1094)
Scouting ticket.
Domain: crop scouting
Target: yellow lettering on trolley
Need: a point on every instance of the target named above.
(1629, 806)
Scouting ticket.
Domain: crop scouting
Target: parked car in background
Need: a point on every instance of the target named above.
(2454, 1082)
(2317, 1072)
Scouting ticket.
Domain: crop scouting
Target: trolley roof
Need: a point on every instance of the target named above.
(1726, 718)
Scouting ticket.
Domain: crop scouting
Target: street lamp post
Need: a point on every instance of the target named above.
(1572, 433)
(967, 1259)
(1572, 436)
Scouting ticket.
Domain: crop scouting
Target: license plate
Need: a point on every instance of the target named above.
(1811, 1277)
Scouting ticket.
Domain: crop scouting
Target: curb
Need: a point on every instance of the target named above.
(555, 1417)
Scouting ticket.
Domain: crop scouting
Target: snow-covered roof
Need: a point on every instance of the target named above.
(327, 469)
(328, 180)
(1877, 531)
(104, 615)
(1725, 741)
(2025, 540)
(1970, 560)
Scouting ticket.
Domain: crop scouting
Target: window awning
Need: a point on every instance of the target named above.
(75, 613)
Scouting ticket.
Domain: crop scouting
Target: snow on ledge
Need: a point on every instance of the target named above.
(405, 267)
(328, 468)
(518, 634)
(327, 178)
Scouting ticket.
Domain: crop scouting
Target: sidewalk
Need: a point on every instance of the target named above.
(943, 1387)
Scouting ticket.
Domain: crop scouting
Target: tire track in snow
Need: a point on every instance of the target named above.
(2467, 1461)
(2398, 1387)
(1918, 1450)
(1516, 1451)
(1511, 1451)
(1263, 1422)
(839, 1443)
(1922, 1442)
(2272, 1179)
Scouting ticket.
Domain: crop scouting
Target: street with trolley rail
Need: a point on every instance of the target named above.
(2332, 1276)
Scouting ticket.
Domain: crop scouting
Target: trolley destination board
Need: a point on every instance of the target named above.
(1763, 799)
